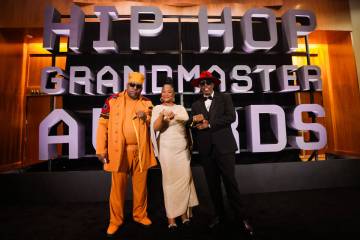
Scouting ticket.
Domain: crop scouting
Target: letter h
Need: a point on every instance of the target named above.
(53, 28)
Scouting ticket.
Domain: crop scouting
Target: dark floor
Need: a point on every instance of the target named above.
(313, 214)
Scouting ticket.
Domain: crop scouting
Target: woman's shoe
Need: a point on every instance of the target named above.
(172, 227)
(186, 222)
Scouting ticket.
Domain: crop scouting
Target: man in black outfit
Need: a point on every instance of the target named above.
(212, 115)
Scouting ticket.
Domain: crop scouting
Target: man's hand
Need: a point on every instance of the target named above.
(141, 115)
(203, 125)
(198, 118)
(103, 158)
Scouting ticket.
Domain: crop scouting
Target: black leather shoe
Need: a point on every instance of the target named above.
(215, 222)
(186, 223)
(248, 228)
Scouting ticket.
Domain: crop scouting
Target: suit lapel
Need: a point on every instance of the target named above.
(213, 106)
(203, 108)
(213, 103)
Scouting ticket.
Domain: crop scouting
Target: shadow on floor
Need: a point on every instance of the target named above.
(314, 214)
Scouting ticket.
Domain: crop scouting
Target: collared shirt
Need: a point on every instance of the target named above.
(208, 102)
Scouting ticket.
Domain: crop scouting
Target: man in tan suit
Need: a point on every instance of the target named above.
(123, 145)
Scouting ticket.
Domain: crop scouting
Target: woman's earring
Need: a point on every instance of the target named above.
(173, 99)
(161, 100)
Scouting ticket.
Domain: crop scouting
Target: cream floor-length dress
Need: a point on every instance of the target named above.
(174, 157)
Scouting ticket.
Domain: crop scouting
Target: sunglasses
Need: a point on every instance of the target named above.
(205, 81)
(134, 85)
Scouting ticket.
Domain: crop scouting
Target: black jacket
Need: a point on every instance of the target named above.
(220, 117)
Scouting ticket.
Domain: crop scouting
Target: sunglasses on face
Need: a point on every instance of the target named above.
(205, 81)
(134, 85)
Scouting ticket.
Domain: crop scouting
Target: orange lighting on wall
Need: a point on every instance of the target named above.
(318, 56)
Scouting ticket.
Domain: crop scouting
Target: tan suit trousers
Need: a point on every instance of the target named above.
(118, 189)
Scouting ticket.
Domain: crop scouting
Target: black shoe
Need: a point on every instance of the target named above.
(186, 223)
(247, 228)
(215, 222)
(172, 228)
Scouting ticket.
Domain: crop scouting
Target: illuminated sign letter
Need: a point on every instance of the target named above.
(250, 44)
(102, 84)
(106, 15)
(286, 73)
(154, 81)
(95, 120)
(235, 88)
(278, 127)
(292, 29)
(295, 122)
(223, 29)
(235, 132)
(75, 139)
(77, 82)
(264, 71)
(222, 78)
(144, 29)
(60, 84)
(183, 74)
(305, 77)
(53, 28)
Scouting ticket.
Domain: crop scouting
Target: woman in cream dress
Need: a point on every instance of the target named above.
(168, 121)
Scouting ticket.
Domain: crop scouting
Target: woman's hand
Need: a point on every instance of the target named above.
(168, 116)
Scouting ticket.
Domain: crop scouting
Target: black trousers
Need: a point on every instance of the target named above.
(219, 166)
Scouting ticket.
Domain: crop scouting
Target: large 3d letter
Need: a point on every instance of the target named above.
(223, 29)
(144, 29)
(235, 87)
(264, 71)
(250, 44)
(278, 127)
(295, 122)
(75, 139)
(154, 79)
(183, 74)
(286, 73)
(102, 84)
(60, 84)
(77, 82)
(95, 120)
(305, 77)
(292, 29)
(235, 132)
(53, 28)
(106, 15)
(216, 68)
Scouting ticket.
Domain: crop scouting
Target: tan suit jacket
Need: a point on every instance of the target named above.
(110, 139)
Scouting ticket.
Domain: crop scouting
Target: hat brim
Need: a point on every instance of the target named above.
(196, 82)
